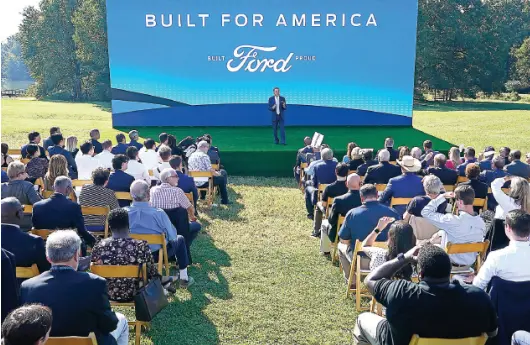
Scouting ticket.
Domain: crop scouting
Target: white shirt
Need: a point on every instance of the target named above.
(277, 100)
(150, 158)
(160, 168)
(85, 165)
(105, 159)
(505, 203)
(138, 171)
(509, 263)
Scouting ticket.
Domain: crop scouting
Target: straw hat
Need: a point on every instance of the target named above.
(410, 164)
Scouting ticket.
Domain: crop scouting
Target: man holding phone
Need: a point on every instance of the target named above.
(277, 107)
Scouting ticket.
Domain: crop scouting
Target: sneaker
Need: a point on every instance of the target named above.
(185, 284)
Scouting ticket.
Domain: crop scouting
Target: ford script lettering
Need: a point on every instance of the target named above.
(246, 57)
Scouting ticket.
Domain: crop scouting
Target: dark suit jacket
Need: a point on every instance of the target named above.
(480, 188)
(27, 248)
(59, 212)
(119, 149)
(120, 181)
(10, 293)
(518, 168)
(447, 176)
(79, 302)
(381, 173)
(47, 143)
(485, 164)
(462, 167)
(394, 154)
(356, 163)
(361, 169)
(98, 148)
(72, 166)
(341, 205)
(324, 172)
(334, 190)
(180, 220)
(136, 144)
(408, 185)
(272, 102)
(24, 151)
(187, 184)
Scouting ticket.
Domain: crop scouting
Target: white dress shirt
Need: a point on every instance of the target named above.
(105, 159)
(85, 165)
(277, 100)
(150, 158)
(159, 169)
(505, 203)
(138, 171)
(509, 263)
(462, 228)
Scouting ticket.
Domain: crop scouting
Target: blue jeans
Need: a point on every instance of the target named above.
(195, 228)
(311, 194)
(279, 122)
(176, 251)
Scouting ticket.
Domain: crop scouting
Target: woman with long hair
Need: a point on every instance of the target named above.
(403, 151)
(400, 240)
(172, 143)
(71, 146)
(58, 167)
(454, 158)
(6, 158)
(349, 148)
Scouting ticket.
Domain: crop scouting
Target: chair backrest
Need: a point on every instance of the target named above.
(479, 202)
(321, 187)
(449, 187)
(461, 248)
(48, 193)
(200, 173)
(423, 229)
(380, 187)
(359, 248)
(98, 211)
(352, 172)
(27, 272)
(119, 271)
(189, 196)
(399, 201)
(28, 209)
(39, 182)
(156, 240)
(151, 172)
(215, 167)
(123, 196)
(44, 233)
(90, 340)
(24, 160)
(81, 183)
(303, 165)
(328, 205)
(416, 340)
(393, 162)
(13, 152)
(461, 179)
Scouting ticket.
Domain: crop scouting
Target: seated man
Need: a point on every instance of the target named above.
(381, 173)
(163, 140)
(134, 136)
(427, 158)
(79, 300)
(389, 146)
(10, 289)
(58, 149)
(59, 212)
(119, 180)
(86, 162)
(340, 207)
(516, 167)
(359, 223)
(488, 176)
(145, 219)
(121, 146)
(323, 172)
(185, 182)
(509, 263)
(105, 157)
(134, 167)
(480, 188)
(199, 161)
(48, 141)
(18, 187)
(466, 227)
(29, 324)
(469, 156)
(407, 185)
(213, 151)
(301, 157)
(34, 138)
(94, 137)
(332, 190)
(27, 248)
(165, 154)
(463, 310)
(368, 158)
(446, 175)
(485, 164)
(150, 158)
(433, 187)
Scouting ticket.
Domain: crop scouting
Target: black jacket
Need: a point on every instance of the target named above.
(341, 205)
(446, 175)
(381, 173)
(27, 248)
(361, 170)
(10, 293)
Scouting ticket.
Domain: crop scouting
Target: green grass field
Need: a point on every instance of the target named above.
(259, 277)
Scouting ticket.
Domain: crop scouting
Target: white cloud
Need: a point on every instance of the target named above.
(11, 16)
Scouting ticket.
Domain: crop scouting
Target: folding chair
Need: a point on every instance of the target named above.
(43, 233)
(98, 211)
(81, 183)
(449, 187)
(461, 179)
(24, 160)
(380, 187)
(215, 167)
(328, 207)
(27, 272)
(399, 201)
(151, 172)
(39, 182)
(123, 271)
(189, 196)
(334, 245)
(302, 174)
(28, 209)
(393, 162)
(321, 188)
(123, 196)
(48, 193)
(416, 340)
(210, 190)
(90, 340)
(162, 252)
(462, 248)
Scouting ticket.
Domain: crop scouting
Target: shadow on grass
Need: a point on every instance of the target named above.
(225, 212)
(183, 321)
(470, 106)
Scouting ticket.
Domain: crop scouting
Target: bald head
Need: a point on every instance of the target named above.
(353, 182)
(140, 190)
(307, 141)
(12, 211)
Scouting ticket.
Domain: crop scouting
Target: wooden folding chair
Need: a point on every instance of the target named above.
(360, 273)
(215, 167)
(479, 202)
(81, 183)
(151, 172)
(393, 162)
(27, 272)
(380, 187)
(462, 248)
(302, 175)
(461, 179)
(39, 182)
(25, 160)
(449, 187)
(123, 196)
(48, 193)
(481, 340)
(90, 340)
(28, 209)
(328, 207)
(399, 201)
(98, 211)
(334, 245)
(321, 188)
(163, 258)
(352, 172)
(123, 271)
(43, 233)
(210, 190)
(189, 196)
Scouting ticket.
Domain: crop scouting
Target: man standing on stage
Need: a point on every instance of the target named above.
(277, 106)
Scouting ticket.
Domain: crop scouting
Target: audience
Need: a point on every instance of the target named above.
(48, 141)
(199, 161)
(94, 137)
(185, 182)
(466, 227)
(480, 188)
(17, 186)
(213, 151)
(368, 158)
(516, 167)
(301, 157)
(504, 152)
(162, 138)
(96, 195)
(37, 166)
(427, 158)
(86, 162)
(486, 163)
(79, 301)
(356, 158)
(454, 158)
(323, 172)
(27, 325)
(57, 149)
(6, 158)
(58, 167)
(34, 139)
(145, 219)
(59, 212)
(407, 185)
(119, 180)
(165, 154)
(433, 187)
(133, 135)
(28, 249)
(446, 175)
(105, 157)
(434, 308)
(349, 149)
(381, 173)
(71, 146)
(121, 249)
(172, 143)
(389, 145)
(149, 157)
(521, 338)
(359, 222)
(416, 153)
(5, 178)
(135, 168)
(10, 289)
(121, 145)
(469, 156)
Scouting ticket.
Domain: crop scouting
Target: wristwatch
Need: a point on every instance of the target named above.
(401, 257)
(376, 230)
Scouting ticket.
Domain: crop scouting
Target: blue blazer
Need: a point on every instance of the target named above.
(135, 144)
(10, 293)
(485, 165)
(98, 148)
(72, 166)
(446, 175)
(324, 172)
(518, 168)
(24, 151)
(47, 143)
(120, 181)
(27, 248)
(5, 178)
(187, 185)
(119, 149)
(462, 167)
(79, 302)
(59, 212)
(408, 185)
(272, 102)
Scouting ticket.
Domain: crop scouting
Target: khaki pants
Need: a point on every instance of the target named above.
(325, 243)
(365, 331)
(345, 258)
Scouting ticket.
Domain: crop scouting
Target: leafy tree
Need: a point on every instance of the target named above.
(521, 55)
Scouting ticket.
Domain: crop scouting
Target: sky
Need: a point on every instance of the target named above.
(11, 16)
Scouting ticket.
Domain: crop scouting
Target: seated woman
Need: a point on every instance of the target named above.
(58, 167)
(349, 149)
(121, 249)
(400, 240)
(17, 186)
(356, 158)
(6, 158)
(71, 146)
(36, 167)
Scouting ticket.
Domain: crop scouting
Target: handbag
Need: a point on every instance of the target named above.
(150, 299)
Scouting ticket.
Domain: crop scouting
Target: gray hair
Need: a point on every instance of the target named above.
(14, 169)
(62, 245)
(327, 154)
(499, 162)
(139, 190)
(133, 135)
(62, 182)
(389, 142)
(202, 143)
(383, 155)
(439, 160)
(415, 152)
(166, 174)
(356, 153)
(432, 184)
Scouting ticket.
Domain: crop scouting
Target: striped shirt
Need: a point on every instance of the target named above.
(168, 197)
(97, 196)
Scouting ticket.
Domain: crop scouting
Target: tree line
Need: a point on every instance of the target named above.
(463, 47)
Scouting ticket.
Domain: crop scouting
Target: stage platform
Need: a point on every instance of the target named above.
(250, 151)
